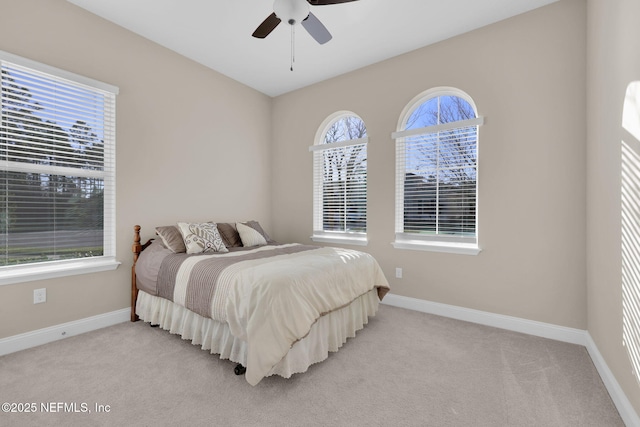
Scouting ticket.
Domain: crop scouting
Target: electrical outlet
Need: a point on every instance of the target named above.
(398, 273)
(39, 295)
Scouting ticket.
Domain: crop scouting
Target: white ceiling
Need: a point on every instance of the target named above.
(217, 33)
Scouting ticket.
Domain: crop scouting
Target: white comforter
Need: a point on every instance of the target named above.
(272, 303)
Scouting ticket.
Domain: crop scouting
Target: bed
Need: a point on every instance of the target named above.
(272, 308)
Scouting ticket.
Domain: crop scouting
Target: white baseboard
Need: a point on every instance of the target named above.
(65, 330)
(516, 324)
(540, 329)
(626, 410)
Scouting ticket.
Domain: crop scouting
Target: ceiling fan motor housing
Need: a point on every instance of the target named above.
(291, 11)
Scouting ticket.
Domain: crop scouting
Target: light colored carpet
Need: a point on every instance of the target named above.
(404, 369)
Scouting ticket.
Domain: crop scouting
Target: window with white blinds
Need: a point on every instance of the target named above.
(57, 166)
(436, 173)
(340, 181)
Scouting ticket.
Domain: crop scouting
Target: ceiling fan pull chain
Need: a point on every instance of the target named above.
(292, 46)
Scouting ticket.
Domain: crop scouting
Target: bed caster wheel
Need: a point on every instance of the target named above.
(239, 369)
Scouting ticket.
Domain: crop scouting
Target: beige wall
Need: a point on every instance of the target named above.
(184, 133)
(613, 63)
(527, 77)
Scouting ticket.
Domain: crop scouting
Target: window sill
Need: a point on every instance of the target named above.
(358, 241)
(43, 271)
(452, 248)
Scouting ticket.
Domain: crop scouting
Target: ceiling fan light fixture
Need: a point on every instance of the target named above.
(291, 11)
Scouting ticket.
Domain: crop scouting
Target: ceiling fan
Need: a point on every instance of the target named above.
(297, 12)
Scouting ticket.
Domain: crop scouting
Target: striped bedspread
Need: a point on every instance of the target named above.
(201, 283)
(270, 296)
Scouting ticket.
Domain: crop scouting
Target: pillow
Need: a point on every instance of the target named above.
(250, 236)
(256, 226)
(229, 235)
(199, 238)
(171, 238)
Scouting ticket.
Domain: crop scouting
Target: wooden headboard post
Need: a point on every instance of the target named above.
(136, 248)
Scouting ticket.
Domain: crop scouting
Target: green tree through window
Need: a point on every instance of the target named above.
(53, 168)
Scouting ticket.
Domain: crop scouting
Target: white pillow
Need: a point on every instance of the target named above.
(249, 236)
(200, 238)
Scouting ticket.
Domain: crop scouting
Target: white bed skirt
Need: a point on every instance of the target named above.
(327, 334)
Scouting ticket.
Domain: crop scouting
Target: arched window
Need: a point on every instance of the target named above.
(436, 173)
(340, 180)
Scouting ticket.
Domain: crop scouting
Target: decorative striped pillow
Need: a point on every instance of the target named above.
(250, 236)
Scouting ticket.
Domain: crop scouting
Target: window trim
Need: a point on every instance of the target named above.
(54, 269)
(437, 246)
(357, 239)
(319, 235)
(63, 74)
(411, 241)
(13, 274)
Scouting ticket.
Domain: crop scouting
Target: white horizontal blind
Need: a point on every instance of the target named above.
(436, 184)
(340, 187)
(57, 167)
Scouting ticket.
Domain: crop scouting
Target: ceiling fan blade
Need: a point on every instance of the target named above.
(267, 26)
(326, 2)
(316, 29)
